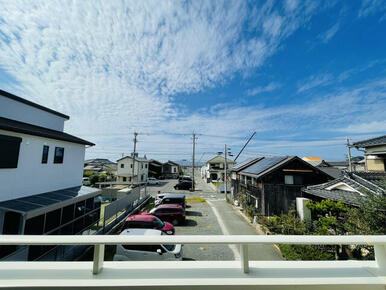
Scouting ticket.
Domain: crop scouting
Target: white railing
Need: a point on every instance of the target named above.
(99, 242)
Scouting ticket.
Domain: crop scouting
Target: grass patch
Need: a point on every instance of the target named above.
(195, 199)
(149, 205)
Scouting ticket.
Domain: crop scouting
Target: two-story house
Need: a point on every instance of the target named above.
(170, 169)
(126, 172)
(41, 170)
(375, 153)
(214, 168)
(273, 183)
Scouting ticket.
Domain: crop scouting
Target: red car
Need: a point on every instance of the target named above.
(173, 213)
(148, 222)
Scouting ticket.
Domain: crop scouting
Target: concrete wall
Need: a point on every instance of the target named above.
(32, 177)
(375, 165)
(14, 110)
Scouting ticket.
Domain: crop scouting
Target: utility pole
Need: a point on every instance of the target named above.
(349, 155)
(242, 149)
(193, 153)
(225, 173)
(133, 157)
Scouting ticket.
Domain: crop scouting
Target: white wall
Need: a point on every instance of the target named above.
(138, 170)
(14, 110)
(32, 177)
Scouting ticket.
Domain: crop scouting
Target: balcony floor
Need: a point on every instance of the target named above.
(193, 275)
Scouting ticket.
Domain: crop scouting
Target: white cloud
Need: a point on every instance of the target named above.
(327, 35)
(315, 81)
(371, 7)
(263, 89)
(368, 127)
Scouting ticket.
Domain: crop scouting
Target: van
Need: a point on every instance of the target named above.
(170, 198)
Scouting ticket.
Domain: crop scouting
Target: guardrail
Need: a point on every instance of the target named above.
(99, 242)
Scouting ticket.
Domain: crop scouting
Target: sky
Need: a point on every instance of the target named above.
(303, 75)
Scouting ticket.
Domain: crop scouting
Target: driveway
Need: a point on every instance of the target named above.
(214, 217)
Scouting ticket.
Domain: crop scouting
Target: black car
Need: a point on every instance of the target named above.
(184, 184)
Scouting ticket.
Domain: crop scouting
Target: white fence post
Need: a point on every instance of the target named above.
(244, 258)
(380, 257)
(99, 256)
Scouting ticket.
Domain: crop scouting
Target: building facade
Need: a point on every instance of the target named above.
(375, 153)
(126, 173)
(214, 168)
(41, 170)
(272, 184)
(170, 169)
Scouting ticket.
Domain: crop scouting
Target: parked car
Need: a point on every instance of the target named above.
(86, 181)
(152, 180)
(184, 185)
(148, 222)
(184, 178)
(170, 198)
(173, 213)
(147, 252)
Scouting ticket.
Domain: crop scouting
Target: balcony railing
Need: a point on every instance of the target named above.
(184, 274)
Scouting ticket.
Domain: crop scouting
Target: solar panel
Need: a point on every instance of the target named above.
(39, 200)
(263, 164)
(18, 205)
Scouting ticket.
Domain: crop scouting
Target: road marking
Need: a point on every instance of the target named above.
(224, 230)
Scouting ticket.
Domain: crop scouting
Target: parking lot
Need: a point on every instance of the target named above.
(214, 216)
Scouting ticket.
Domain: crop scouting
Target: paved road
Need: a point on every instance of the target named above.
(222, 218)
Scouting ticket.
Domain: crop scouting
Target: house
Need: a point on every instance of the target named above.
(214, 168)
(170, 169)
(100, 166)
(375, 153)
(41, 171)
(126, 172)
(348, 188)
(326, 167)
(272, 183)
(155, 168)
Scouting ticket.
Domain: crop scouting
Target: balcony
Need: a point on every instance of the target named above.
(191, 274)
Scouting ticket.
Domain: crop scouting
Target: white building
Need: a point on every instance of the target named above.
(215, 168)
(41, 170)
(125, 169)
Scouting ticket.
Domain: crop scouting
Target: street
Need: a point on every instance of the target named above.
(213, 217)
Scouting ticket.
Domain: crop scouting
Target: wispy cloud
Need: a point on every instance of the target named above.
(327, 35)
(371, 7)
(314, 81)
(264, 89)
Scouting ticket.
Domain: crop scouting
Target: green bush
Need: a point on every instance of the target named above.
(102, 177)
(305, 252)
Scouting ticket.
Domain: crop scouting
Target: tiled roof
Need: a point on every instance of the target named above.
(331, 171)
(371, 142)
(360, 181)
(25, 128)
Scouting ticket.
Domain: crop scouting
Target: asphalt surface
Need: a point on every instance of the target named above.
(214, 217)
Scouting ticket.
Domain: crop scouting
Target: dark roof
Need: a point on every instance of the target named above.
(245, 163)
(25, 128)
(52, 199)
(264, 164)
(338, 163)
(356, 180)
(376, 181)
(155, 161)
(24, 101)
(137, 158)
(172, 163)
(99, 161)
(371, 142)
(331, 171)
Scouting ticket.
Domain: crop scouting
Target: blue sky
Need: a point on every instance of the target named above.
(304, 75)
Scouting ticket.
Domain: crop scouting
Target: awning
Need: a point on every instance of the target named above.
(34, 205)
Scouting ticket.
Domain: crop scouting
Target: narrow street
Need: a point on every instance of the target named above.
(215, 217)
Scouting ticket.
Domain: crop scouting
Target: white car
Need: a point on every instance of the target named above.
(152, 180)
(147, 252)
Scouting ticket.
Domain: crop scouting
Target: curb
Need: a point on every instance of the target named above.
(256, 226)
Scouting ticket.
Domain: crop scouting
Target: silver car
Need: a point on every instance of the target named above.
(147, 252)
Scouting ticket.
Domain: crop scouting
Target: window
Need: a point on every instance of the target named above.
(53, 220)
(146, 166)
(122, 165)
(45, 154)
(298, 180)
(59, 154)
(289, 179)
(9, 151)
(174, 169)
(124, 179)
(131, 165)
(141, 166)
